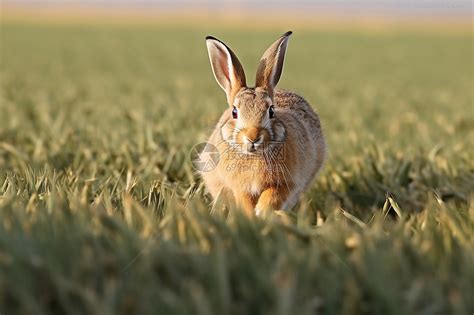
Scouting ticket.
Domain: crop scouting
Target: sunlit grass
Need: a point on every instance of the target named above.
(102, 212)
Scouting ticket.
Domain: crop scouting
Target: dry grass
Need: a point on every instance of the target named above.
(101, 212)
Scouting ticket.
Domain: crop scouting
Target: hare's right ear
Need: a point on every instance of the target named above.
(271, 65)
(226, 67)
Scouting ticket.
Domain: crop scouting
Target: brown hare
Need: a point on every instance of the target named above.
(269, 141)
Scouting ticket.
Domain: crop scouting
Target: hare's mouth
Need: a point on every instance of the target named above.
(252, 149)
(247, 149)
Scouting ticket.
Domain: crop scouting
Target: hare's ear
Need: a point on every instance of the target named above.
(271, 64)
(226, 67)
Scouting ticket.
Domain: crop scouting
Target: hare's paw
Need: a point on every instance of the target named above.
(271, 199)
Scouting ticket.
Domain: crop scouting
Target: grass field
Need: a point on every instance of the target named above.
(102, 213)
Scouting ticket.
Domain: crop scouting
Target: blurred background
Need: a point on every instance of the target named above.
(102, 212)
(342, 10)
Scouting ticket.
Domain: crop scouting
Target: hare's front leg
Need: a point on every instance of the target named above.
(246, 202)
(271, 199)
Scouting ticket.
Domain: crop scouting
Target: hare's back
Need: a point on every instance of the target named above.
(298, 107)
(304, 132)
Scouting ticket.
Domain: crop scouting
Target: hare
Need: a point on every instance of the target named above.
(269, 141)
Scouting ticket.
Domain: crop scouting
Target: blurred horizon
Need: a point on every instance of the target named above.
(459, 11)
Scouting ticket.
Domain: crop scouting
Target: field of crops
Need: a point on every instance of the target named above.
(101, 211)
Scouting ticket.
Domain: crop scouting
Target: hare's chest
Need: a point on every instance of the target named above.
(250, 182)
(255, 188)
(259, 182)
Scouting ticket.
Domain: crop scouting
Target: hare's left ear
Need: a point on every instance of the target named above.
(271, 64)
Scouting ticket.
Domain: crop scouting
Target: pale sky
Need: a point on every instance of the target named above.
(345, 7)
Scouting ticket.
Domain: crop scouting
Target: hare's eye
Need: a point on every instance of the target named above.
(271, 111)
(234, 113)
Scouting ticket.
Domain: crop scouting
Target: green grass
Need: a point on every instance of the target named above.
(102, 213)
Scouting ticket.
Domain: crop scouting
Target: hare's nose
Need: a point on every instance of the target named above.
(253, 141)
(252, 144)
(252, 135)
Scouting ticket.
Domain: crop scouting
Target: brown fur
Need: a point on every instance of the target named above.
(288, 149)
